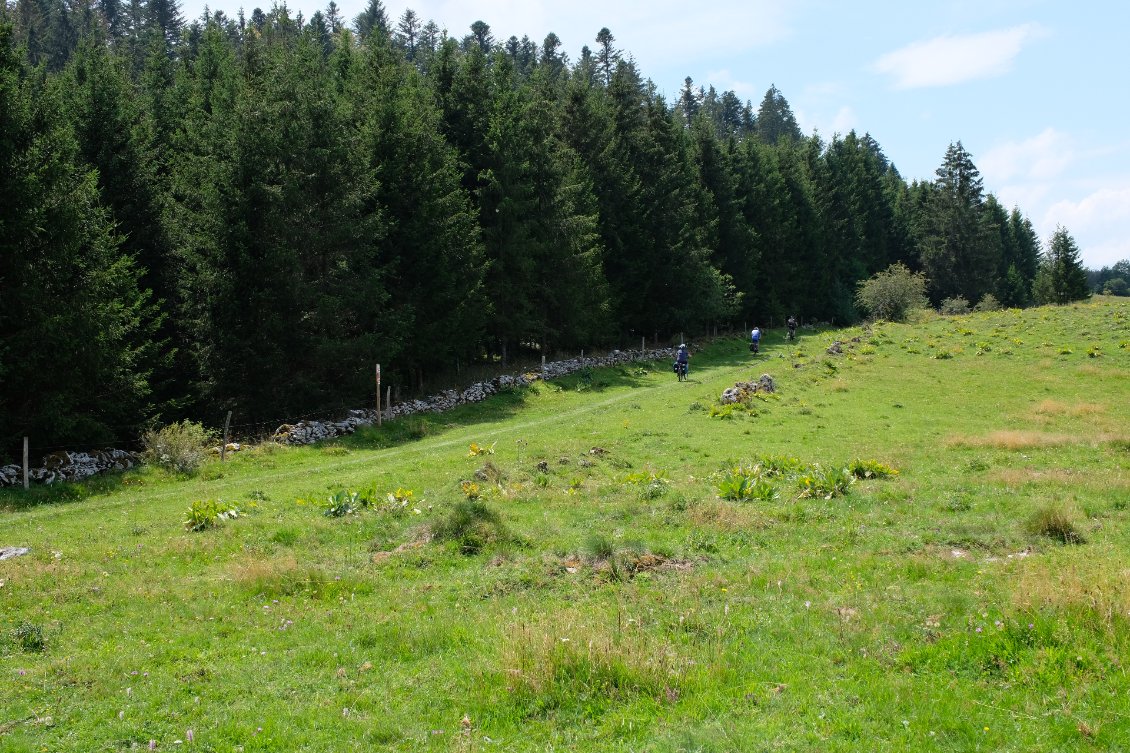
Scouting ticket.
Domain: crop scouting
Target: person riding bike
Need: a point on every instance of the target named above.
(755, 339)
(791, 323)
(681, 359)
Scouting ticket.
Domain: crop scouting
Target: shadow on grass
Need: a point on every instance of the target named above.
(494, 409)
(63, 492)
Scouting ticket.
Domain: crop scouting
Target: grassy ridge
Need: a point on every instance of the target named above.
(600, 594)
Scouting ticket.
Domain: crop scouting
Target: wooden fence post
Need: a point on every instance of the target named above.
(224, 446)
(388, 399)
(25, 463)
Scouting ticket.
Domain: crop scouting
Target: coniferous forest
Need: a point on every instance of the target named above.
(246, 213)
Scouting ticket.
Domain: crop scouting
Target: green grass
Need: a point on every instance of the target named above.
(613, 599)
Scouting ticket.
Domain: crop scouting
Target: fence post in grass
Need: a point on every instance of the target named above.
(543, 364)
(224, 446)
(643, 344)
(25, 463)
(388, 399)
(378, 394)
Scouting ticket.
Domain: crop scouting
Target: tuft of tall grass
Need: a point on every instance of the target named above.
(565, 662)
(471, 526)
(1056, 523)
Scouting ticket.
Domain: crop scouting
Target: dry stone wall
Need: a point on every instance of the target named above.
(308, 432)
(74, 466)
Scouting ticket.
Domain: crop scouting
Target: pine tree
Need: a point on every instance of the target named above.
(607, 56)
(374, 19)
(775, 119)
(430, 250)
(408, 33)
(960, 249)
(1061, 278)
(74, 337)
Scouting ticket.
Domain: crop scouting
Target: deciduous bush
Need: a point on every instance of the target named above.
(954, 306)
(180, 447)
(892, 294)
(988, 302)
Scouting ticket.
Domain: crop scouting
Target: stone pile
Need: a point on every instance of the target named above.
(308, 432)
(69, 466)
(742, 391)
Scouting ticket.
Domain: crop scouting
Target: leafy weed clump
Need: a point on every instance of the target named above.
(471, 526)
(773, 466)
(29, 638)
(742, 483)
(342, 503)
(652, 485)
(209, 513)
(870, 469)
(818, 482)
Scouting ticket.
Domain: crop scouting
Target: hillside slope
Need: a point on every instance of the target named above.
(625, 565)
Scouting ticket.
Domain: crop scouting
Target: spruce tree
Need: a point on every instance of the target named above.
(959, 247)
(1061, 278)
(775, 119)
(430, 250)
(75, 327)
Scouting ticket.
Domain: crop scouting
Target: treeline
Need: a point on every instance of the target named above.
(247, 213)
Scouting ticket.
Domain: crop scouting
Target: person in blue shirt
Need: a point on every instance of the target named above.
(681, 359)
(755, 339)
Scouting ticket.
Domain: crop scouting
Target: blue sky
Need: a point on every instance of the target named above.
(1038, 92)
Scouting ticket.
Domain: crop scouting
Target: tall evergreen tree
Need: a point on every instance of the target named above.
(373, 19)
(74, 325)
(775, 119)
(1061, 278)
(607, 56)
(959, 247)
(431, 250)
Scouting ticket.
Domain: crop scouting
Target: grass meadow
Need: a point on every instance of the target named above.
(920, 544)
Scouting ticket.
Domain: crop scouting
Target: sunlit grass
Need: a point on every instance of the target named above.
(589, 586)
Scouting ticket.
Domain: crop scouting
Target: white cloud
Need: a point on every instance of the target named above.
(947, 60)
(844, 120)
(724, 80)
(1042, 157)
(1097, 222)
(1106, 206)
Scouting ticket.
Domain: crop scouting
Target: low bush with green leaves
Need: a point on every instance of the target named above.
(955, 306)
(746, 483)
(772, 466)
(342, 503)
(892, 294)
(180, 447)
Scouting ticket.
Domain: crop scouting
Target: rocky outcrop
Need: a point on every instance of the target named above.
(743, 391)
